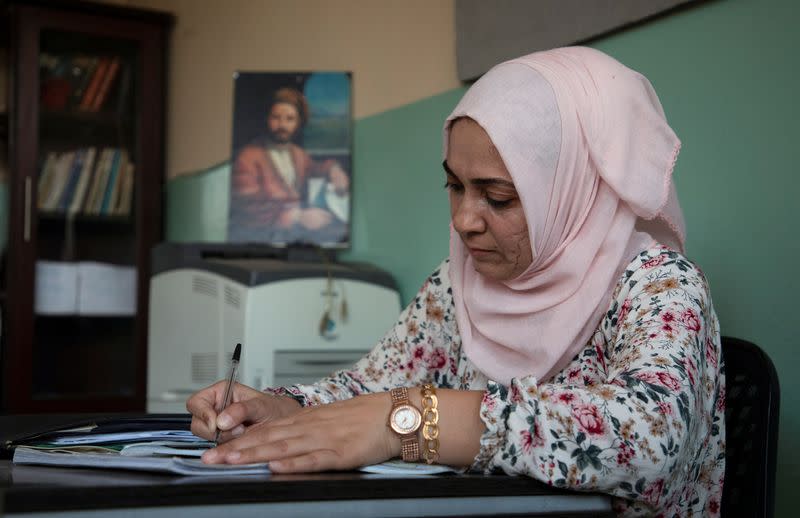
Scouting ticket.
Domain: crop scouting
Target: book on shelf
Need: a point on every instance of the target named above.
(83, 68)
(95, 203)
(125, 201)
(83, 181)
(113, 174)
(81, 82)
(123, 196)
(97, 182)
(107, 82)
(94, 84)
(60, 174)
(75, 169)
(46, 178)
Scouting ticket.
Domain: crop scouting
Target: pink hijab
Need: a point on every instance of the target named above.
(591, 154)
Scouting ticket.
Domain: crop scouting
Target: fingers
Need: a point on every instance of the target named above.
(245, 411)
(202, 405)
(319, 460)
(225, 436)
(296, 454)
(258, 408)
(263, 445)
(233, 421)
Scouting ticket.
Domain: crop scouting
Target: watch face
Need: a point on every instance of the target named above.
(405, 419)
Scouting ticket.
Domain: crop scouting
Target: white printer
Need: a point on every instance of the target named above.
(297, 321)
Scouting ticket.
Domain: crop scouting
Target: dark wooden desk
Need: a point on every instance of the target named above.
(73, 492)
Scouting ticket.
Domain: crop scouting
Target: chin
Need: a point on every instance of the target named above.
(491, 271)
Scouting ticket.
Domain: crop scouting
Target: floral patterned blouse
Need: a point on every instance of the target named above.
(638, 414)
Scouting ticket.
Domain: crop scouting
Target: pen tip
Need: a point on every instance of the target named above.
(237, 352)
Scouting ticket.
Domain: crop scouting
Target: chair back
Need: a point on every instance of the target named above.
(752, 402)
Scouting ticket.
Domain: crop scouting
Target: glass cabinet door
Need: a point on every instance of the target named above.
(85, 277)
(86, 139)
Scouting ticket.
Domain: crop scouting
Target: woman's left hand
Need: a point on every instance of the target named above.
(339, 436)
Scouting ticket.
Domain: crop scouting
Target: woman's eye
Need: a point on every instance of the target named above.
(497, 204)
(450, 186)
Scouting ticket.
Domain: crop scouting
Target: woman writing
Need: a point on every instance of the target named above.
(566, 338)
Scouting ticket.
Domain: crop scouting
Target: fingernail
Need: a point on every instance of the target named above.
(233, 456)
(224, 421)
(239, 430)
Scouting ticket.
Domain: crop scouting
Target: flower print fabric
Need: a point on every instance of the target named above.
(638, 413)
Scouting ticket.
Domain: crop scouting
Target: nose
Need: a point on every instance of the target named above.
(467, 217)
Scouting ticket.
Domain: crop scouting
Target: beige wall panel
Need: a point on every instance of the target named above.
(399, 52)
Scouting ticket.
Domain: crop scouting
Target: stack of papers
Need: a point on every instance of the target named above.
(184, 436)
(176, 465)
(158, 444)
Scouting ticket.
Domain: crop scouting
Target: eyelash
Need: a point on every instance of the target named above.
(496, 204)
(453, 187)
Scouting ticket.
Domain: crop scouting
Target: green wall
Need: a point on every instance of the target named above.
(727, 73)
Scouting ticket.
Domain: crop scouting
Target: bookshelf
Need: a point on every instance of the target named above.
(85, 137)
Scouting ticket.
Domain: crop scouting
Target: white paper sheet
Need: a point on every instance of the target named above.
(397, 467)
(120, 437)
(106, 289)
(177, 465)
(56, 291)
(85, 288)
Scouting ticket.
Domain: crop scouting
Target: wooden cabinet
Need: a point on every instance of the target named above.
(85, 137)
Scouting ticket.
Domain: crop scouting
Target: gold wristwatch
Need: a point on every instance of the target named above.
(405, 419)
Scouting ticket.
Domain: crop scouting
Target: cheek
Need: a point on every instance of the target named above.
(517, 243)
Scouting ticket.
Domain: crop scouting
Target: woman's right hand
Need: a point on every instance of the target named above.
(248, 407)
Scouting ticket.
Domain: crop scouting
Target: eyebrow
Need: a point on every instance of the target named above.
(479, 181)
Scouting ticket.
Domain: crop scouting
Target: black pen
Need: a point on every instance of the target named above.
(229, 387)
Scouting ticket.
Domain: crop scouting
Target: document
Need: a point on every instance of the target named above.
(175, 465)
(123, 437)
(165, 448)
(400, 468)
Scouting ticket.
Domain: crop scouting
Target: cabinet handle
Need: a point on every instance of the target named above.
(27, 222)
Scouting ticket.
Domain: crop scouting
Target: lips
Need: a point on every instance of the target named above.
(480, 253)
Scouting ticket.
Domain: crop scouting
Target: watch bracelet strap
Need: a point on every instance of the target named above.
(399, 395)
(409, 448)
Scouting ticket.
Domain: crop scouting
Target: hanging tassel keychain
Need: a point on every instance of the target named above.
(343, 313)
(326, 324)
